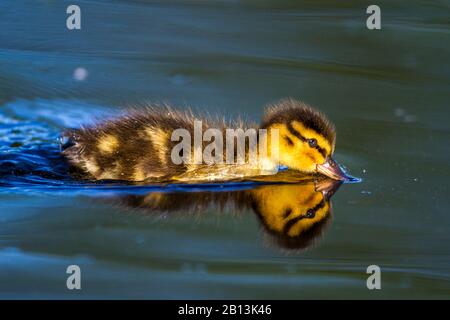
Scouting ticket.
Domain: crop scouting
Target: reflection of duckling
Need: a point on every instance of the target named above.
(138, 146)
(294, 214)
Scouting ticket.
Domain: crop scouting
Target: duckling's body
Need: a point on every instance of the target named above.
(134, 147)
(138, 146)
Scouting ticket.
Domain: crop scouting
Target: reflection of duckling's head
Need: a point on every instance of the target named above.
(306, 138)
(295, 214)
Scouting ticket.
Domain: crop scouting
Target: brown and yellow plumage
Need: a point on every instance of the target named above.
(138, 145)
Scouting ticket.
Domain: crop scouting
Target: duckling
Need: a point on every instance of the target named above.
(293, 216)
(139, 145)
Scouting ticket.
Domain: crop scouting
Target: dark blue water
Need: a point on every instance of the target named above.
(387, 93)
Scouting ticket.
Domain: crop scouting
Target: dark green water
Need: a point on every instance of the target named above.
(386, 91)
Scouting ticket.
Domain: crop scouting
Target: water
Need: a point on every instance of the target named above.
(386, 91)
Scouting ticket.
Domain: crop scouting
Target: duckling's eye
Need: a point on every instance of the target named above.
(312, 143)
(310, 214)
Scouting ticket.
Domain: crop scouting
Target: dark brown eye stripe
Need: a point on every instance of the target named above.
(322, 151)
(320, 205)
(289, 141)
(287, 213)
(295, 132)
(302, 138)
(288, 226)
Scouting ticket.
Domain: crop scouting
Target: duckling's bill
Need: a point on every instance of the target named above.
(331, 169)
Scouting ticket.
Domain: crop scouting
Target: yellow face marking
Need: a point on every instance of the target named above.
(296, 153)
(293, 152)
(160, 140)
(108, 144)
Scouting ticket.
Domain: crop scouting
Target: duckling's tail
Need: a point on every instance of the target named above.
(72, 150)
(68, 139)
(69, 145)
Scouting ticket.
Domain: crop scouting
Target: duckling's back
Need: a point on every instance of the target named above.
(134, 147)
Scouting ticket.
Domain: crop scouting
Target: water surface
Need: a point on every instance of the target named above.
(386, 91)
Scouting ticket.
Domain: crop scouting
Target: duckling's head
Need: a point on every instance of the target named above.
(306, 138)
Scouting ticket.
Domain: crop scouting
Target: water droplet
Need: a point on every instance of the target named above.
(80, 74)
(179, 79)
(409, 118)
(140, 239)
(399, 112)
